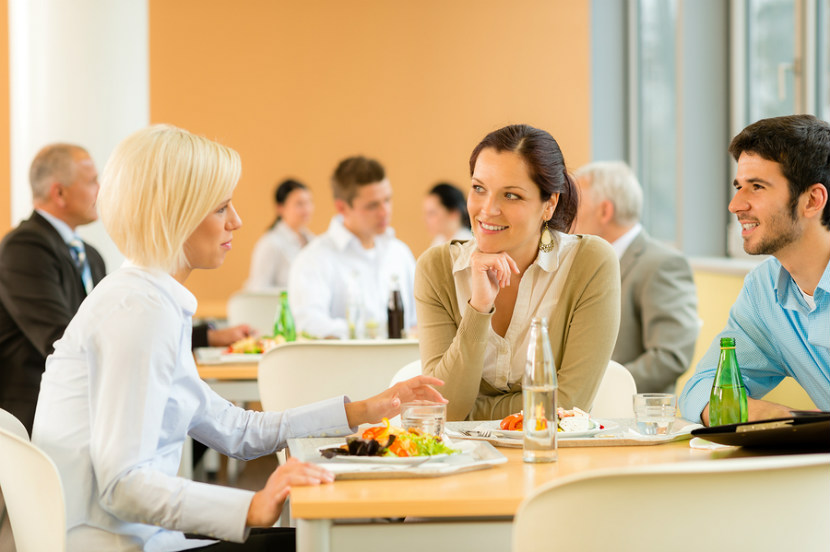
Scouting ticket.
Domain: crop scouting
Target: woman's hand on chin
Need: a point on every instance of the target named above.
(489, 273)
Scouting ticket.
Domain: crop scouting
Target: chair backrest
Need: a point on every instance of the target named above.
(295, 374)
(648, 507)
(10, 423)
(255, 308)
(409, 370)
(33, 494)
(613, 398)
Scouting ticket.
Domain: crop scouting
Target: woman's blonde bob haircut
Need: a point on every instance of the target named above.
(157, 187)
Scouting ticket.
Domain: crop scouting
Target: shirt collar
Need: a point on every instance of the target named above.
(621, 244)
(786, 291)
(180, 294)
(66, 233)
(342, 236)
(547, 261)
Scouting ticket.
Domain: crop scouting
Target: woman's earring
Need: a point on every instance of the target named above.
(546, 241)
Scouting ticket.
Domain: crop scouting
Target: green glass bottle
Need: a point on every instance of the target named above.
(284, 321)
(727, 402)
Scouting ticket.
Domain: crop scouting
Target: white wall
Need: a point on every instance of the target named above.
(79, 73)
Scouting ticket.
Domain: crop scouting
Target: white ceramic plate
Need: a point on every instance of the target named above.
(217, 355)
(597, 426)
(388, 460)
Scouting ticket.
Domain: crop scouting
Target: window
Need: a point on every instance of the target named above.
(823, 60)
(772, 60)
(656, 158)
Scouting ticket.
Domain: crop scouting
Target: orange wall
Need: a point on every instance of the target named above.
(5, 128)
(297, 86)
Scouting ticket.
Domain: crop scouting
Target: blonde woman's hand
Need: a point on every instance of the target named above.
(266, 505)
(489, 273)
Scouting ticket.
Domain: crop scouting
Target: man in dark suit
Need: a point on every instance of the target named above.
(45, 271)
(658, 323)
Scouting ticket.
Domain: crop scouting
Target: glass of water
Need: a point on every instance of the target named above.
(654, 412)
(425, 416)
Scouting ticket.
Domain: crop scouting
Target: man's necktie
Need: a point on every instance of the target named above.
(79, 255)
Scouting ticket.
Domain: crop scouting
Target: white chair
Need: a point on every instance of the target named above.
(10, 423)
(704, 505)
(409, 370)
(613, 398)
(34, 495)
(298, 373)
(255, 308)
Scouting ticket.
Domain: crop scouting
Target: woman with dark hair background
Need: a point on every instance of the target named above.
(445, 214)
(274, 252)
(475, 300)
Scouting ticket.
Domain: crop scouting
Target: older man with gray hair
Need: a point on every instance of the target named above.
(659, 322)
(46, 270)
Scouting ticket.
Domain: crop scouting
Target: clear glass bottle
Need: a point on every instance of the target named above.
(539, 389)
(354, 308)
(727, 401)
(284, 321)
(394, 310)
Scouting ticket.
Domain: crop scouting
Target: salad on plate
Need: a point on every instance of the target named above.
(388, 441)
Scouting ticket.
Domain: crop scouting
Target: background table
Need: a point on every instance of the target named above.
(470, 511)
(236, 382)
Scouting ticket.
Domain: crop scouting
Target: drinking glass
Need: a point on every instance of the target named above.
(654, 412)
(426, 416)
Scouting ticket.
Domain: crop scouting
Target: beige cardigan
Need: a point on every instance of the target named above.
(583, 329)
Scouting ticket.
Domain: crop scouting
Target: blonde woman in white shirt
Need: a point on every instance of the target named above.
(277, 248)
(121, 392)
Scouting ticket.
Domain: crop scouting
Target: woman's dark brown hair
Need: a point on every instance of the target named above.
(544, 160)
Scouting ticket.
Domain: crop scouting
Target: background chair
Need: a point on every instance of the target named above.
(769, 503)
(10, 423)
(33, 494)
(409, 370)
(613, 399)
(298, 373)
(255, 308)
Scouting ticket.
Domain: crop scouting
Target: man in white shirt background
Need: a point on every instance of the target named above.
(340, 283)
(659, 322)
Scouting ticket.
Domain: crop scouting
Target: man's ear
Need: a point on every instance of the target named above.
(56, 194)
(606, 211)
(340, 206)
(816, 200)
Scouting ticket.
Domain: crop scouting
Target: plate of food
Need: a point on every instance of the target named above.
(572, 424)
(388, 444)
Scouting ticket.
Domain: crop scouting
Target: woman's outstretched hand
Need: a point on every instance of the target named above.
(388, 403)
(266, 505)
(489, 273)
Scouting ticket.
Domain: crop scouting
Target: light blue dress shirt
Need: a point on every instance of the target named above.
(118, 398)
(776, 335)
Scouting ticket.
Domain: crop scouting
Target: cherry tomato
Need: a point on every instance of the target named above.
(512, 422)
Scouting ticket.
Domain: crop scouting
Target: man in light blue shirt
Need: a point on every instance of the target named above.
(781, 320)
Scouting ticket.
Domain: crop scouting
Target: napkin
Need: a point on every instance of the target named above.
(703, 444)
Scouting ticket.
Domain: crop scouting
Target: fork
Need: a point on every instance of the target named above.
(478, 432)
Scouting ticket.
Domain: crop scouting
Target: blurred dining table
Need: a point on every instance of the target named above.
(466, 511)
(234, 381)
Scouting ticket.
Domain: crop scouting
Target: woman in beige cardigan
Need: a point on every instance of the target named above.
(475, 299)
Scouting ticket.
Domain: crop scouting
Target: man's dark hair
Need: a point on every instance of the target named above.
(352, 173)
(800, 144)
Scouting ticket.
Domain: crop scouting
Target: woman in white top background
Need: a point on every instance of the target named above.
(276, 249)
(445, 214)
(121, 393)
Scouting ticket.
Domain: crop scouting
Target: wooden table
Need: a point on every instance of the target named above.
(236, 382)
(469, 511)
